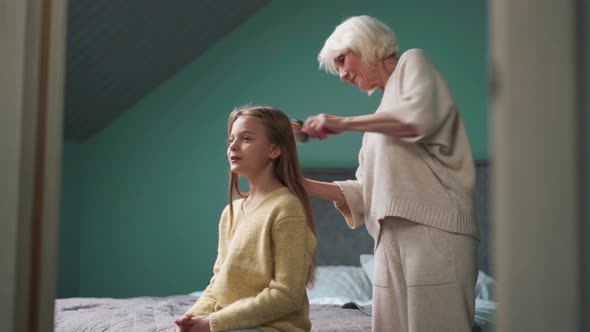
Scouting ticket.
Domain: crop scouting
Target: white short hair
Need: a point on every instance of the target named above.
(365, 35)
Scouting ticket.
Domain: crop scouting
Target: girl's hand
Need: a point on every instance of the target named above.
(184, 320)
(189, 323)
(322, 125)
(183, 328)
(200, 324)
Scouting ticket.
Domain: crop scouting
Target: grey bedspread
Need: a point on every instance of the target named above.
(157, 314)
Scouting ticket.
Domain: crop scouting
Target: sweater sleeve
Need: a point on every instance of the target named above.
(206, 303)
(413, 96)
(286, 290)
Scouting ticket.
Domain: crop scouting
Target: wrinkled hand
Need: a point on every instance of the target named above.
(189, 323)
(322, 125)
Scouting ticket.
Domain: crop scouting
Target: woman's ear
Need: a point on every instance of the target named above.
(275, 152)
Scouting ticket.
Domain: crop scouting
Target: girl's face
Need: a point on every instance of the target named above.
(249, 150)
(356, 72)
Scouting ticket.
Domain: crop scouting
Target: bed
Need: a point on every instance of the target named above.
(340, 300)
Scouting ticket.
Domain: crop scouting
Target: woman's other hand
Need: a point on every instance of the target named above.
(322, 125)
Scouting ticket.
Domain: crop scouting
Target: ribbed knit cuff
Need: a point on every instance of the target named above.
(354, 212)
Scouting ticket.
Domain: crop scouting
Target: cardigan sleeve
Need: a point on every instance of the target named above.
(206, 303)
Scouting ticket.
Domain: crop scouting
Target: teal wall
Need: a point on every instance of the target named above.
(155, 180)
(71, 219)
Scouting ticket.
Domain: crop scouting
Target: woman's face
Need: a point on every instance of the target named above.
(249, 150)
(357, 73)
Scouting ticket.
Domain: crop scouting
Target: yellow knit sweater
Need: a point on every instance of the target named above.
(261, 269)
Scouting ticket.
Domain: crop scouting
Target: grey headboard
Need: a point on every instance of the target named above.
(339, 245)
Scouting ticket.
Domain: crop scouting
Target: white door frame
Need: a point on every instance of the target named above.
(535, 164)
(32, 62)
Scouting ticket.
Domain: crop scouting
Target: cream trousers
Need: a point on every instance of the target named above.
(424, 279)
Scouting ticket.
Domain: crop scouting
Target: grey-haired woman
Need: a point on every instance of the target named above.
(414, 183)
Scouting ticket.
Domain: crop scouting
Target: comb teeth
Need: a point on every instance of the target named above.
(299, 136)
(297, 122)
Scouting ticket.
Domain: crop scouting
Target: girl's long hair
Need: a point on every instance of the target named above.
(286, 166)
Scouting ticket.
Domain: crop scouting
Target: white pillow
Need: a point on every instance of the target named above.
(484, 288)
(367, 262)
(345, 283)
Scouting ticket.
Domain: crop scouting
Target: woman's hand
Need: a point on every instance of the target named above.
(322, 125)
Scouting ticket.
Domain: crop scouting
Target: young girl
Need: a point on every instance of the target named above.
(267, 244)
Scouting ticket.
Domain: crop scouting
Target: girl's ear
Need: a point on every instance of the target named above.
(275, 152)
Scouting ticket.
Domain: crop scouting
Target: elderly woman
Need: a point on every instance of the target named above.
(414, 184)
